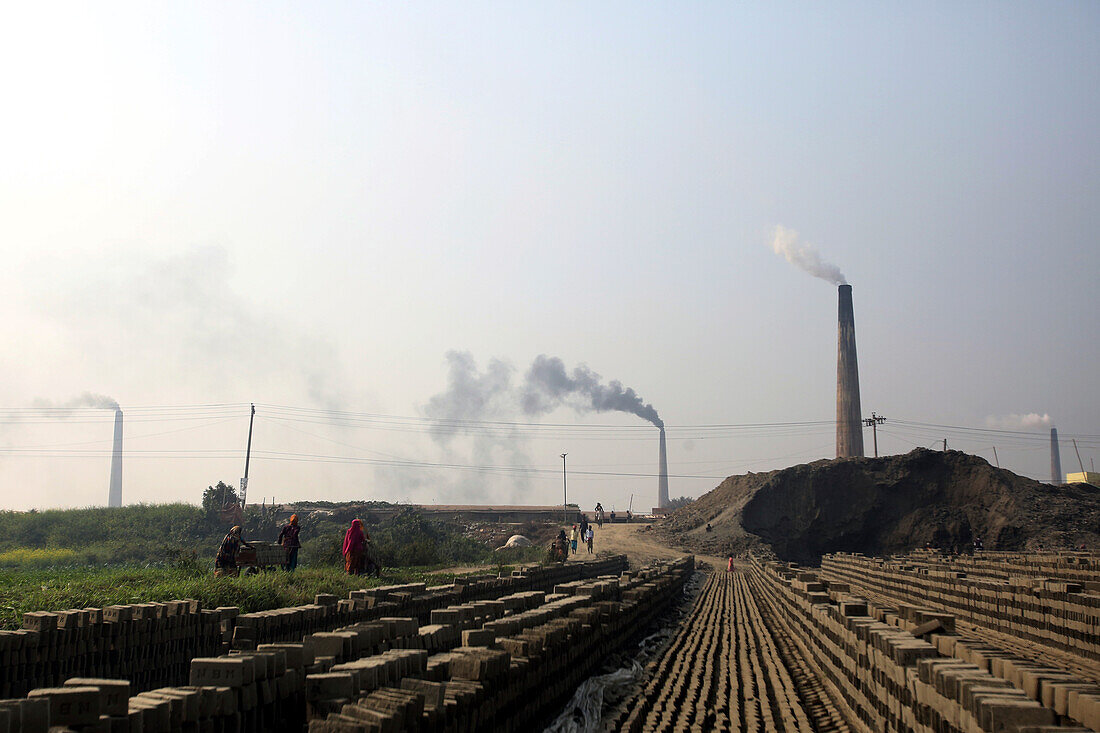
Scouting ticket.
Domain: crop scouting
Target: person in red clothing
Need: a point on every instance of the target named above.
(355, 541)
(729, 565)
(288, 538)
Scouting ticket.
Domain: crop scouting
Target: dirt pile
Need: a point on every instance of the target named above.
(885, 505)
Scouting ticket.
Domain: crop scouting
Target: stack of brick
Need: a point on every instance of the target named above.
(415, 600)
(152, 643)
(26, 715)
(888, 673)
(1056, 613)
(267, 686)
(480, 687)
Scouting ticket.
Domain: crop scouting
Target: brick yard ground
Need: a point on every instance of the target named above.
(924, 642)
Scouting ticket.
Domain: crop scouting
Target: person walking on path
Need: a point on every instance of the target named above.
(573, 540)
(599, 515)
(288, 538)
(226, 561)
(729, 565)
(355, 542)
(588, 538)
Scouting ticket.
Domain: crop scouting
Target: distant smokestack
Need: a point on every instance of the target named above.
(114, 497)
(662, 478)
(1055, 458)
(849, 419)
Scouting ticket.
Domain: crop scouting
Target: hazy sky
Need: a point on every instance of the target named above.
(311, 205)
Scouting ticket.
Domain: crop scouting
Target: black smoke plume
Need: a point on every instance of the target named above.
(548, 386)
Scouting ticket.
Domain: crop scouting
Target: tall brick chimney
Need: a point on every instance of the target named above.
(1055, 458)
(114, 496)
(849, 419)
(662, 478)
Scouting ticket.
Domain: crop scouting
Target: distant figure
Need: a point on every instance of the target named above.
(584, 526)
(708, 527)
(288, 538)
(355, 542)
(629, 516)
(588, 538)
(599, 515)
(978, 544)
(729, 565)
(573, 540)
(612, 516)
(226, 561)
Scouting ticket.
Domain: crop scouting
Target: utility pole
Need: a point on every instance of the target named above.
(945, 445)
(873, 422)
(1079, 461)
(247, 456)
(564, 491)
(995, 458)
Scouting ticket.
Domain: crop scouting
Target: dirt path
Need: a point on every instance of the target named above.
(641, 545)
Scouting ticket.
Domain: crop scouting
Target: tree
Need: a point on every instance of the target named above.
(679, 502)
(217, 497)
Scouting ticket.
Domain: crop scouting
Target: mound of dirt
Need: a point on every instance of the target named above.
(880, 506)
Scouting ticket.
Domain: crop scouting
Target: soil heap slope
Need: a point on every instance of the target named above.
(885, 505)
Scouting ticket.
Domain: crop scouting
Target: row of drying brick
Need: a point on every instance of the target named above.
(1065, 618)
(1082, 567)
(509, 672)
(415, 600)
(265, 688)
(887, 673)
(151, 644)
(1064, 683)
(721, 672)
(262, 690)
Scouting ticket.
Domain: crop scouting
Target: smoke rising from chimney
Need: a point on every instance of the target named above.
(548, 386)
(473, 396)
(805, 256)
(87, 399)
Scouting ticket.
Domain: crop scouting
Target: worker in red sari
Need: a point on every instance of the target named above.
(355, 546)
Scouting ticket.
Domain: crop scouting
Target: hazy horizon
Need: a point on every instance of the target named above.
(372, 221)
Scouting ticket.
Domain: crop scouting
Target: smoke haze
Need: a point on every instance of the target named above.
(470, 395)
(548, 386)
(1028, 420)
(87, 399)
(474, 395)
(805, 256)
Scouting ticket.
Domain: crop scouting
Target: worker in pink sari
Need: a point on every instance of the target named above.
(355, 541)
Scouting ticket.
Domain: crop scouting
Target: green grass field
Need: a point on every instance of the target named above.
(83, 558)
(60, 589)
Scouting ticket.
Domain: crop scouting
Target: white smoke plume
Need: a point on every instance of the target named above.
(87, 399)
(1013, 421)
(805, 256)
